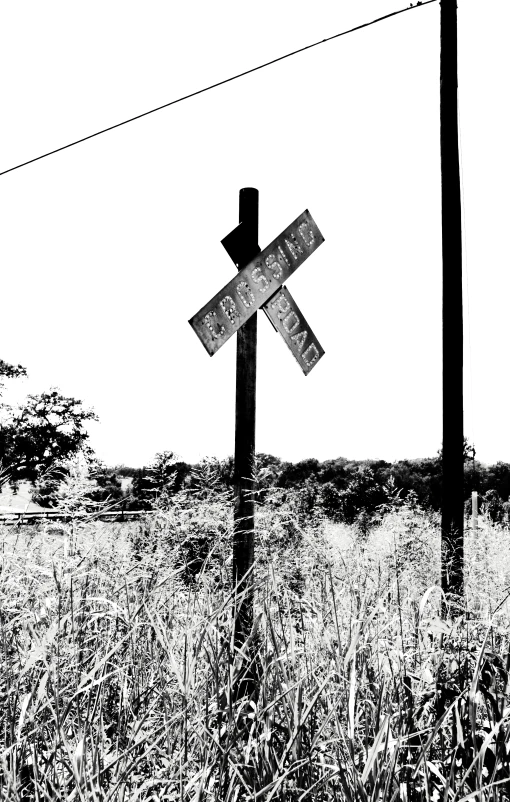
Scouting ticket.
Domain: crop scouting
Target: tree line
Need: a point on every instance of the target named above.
(40, 438)
(344, 489)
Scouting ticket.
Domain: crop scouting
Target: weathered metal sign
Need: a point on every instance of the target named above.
(256, 283)
(284, 314)
(281, 309)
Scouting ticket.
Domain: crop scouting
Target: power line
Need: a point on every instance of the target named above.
(219, 83)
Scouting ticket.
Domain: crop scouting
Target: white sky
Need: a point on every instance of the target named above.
(109, 247)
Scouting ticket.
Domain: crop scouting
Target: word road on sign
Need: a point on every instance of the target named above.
(285, 316)
(255, 285)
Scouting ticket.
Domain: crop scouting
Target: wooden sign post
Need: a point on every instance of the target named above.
(258, 284)
(244, 453)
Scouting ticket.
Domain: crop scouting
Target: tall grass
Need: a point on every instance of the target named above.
(120, 677)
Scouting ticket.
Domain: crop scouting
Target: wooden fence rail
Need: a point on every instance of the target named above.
(21, 518)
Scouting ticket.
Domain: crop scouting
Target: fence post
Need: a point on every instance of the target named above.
(474, 510)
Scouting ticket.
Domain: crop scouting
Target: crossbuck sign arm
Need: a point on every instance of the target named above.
(256, 285)
(282, 311)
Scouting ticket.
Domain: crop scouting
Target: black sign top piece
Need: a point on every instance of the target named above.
(256, 282)
(235, 245)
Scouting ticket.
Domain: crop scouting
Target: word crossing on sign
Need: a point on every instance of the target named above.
(230, 308)
(285, 316)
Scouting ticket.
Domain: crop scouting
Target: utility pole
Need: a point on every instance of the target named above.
(452, 510)
(244, 454)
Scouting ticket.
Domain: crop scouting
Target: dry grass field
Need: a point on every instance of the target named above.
(119, 671)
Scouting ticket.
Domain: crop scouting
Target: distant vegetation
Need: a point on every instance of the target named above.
(347, 491)
(44, 441)
(40, 434)
(344, 490)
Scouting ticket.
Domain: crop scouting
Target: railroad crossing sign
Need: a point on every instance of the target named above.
(260, 284)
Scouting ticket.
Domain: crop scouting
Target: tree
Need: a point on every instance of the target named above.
(10, 372)
(141, 496)
(42, 431)
(107, 484)
(364, 494)
(167, 474)
(90, 479)
(295, 474)
(492, 506)
(154, 486)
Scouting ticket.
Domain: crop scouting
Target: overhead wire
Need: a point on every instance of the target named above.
(217, 84)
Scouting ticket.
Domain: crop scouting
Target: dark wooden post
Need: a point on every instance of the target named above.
(452, 511)
(244, 455)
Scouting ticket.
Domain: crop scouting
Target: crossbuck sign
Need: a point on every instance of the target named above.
(260, 284)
